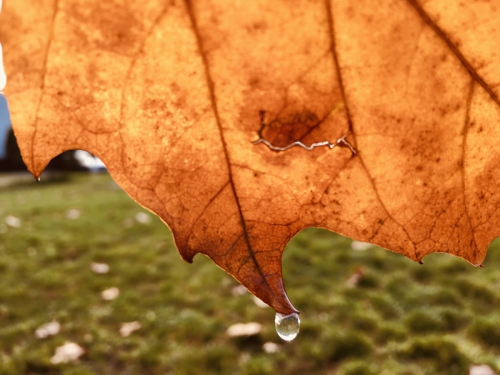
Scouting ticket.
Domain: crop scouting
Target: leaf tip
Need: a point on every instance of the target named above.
(187, 257)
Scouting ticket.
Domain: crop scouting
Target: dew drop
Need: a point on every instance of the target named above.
(287, 326)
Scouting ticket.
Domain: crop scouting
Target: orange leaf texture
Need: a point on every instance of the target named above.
(240, 123)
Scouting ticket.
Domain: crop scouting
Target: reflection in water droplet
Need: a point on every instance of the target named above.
(287, 326)
(3, 78)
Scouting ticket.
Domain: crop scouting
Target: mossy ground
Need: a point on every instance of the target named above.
(400, 318)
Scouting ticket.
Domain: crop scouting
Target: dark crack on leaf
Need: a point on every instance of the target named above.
(341, 142)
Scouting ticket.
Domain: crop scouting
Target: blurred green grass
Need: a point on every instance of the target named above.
(399, 318)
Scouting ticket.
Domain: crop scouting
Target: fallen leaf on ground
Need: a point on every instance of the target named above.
(13, 221)
(69, 352)
(143, 218)
(244, 329)
(481, 370)
(48, 329)
(100, 268)
(127, 328)
(403, 96)
(110, 293)
(73, 214)
(360, 246)
(271, 347)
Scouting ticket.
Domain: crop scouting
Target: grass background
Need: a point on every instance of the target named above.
(401, 318)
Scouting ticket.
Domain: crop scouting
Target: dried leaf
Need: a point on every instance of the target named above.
(481, 370)
(271, 347)
(13, 221)
(110, 293)
(69, 352)
(100, 268)
(48, 329)
(244, 329)
(127, 328)
(172, 95)
(73, 214)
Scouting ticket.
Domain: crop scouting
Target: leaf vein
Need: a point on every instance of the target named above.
(348, 114)
(454, 49)
(211, 89)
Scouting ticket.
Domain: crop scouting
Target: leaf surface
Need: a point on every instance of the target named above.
(172, 95)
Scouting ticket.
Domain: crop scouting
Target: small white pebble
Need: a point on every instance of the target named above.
(244, 329)
(47, 329)
(143, 218)
(67, 353)
(360, 246)
(99, 267)
(481, 370)
(13, 221)
(110, 293)
(73, 214)
(259, 302)
(271, 347)
(127, 328)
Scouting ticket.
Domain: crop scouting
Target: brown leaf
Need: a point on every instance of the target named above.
(170, 95)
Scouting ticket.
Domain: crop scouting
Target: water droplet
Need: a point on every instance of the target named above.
(287, 326)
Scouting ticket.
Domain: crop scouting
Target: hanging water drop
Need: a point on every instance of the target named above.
(287, 326)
